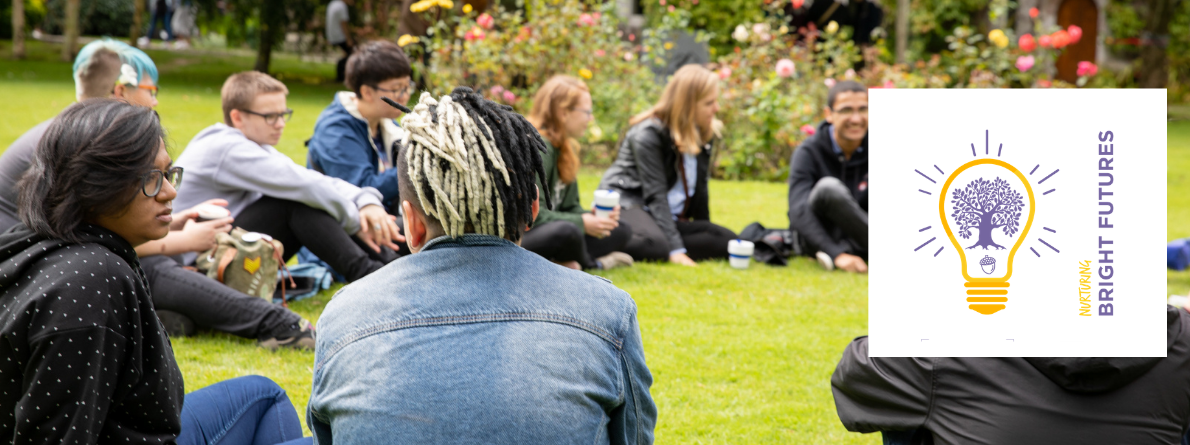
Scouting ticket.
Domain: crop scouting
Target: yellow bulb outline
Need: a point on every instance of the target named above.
(955, 242)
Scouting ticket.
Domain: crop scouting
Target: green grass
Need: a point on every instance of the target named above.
(737, 356)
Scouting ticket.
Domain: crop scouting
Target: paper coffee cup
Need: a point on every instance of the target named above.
(605, 202)
(207, 212)
(739, 253)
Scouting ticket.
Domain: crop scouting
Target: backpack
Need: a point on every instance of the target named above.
(773, 246)
(245, 261)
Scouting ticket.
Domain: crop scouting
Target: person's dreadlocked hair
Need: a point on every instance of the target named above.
(471, 163)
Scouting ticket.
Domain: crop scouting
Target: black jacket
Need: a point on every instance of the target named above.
(813, 160)
(1132, 401)
(646, 167)
(83, 357)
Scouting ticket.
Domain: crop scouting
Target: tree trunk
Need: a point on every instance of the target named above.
(18, 29)
(902, 29)
(1154, 67)
(264, 53)
(138, 16)
(985, 232)
(70, 40)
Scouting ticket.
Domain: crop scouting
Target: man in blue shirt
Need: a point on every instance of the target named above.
(472, 339)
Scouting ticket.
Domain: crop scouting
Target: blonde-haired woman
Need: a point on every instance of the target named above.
(567, 234)
(661, 173)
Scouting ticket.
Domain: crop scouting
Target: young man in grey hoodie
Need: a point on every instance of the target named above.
(267, 192)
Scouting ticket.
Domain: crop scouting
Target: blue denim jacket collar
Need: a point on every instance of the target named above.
(467, 240)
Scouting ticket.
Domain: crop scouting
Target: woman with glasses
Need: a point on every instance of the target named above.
(567, 234)
(87, 359)
(661, 172)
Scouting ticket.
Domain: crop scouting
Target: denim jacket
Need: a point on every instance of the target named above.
(476, 340)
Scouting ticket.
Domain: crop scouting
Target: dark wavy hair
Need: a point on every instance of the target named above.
(88, 164)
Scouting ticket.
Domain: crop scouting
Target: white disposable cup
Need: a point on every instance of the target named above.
(605, 202)
(739, 253)
(207, 212)
(1177, 300)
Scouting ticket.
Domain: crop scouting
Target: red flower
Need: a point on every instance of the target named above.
(1033, 13)
(486, 21)
(1027, 43)
(1087, 69)
(1044, 83)
(1075, 33)
(1044, 41)
(797, 4)
(809, 130)
(1060, 39)
(586, 19)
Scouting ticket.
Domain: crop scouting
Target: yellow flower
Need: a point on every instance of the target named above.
(586, 73)
(446, 4)
(669, 46)
(832, 27)
(998, 38)
(467, 8)
(406, 39)
(421, 6)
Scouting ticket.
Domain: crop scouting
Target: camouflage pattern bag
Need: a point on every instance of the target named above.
(244, 261)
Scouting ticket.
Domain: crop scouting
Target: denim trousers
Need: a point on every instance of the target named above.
(249, 410)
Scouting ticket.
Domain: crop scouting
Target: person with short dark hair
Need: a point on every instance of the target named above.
(87, 359)
(183, 299)
(1019, 400)
(828, 182)
(662, 171)
(355, 137)
(267, 192)
(472, 339)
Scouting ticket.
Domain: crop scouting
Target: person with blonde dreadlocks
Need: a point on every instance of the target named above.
(471, 338)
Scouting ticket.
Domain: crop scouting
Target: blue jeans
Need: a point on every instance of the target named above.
(249, 410)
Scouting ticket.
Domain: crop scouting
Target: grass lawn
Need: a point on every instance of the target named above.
(737, 356)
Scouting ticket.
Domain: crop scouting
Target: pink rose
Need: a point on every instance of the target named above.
(889, 84)
(597, 16)
(1075, 33)
(586, 19)
(509, 97)
(631, 37)
(600, 53)
(1045, 41)
(808, 130)
(1027, 43)
(474, 34)
(662, 2)
(1044, 83)
(670, 8)
(1023, 63)
(850, 74)
(830, 83)
(486, 21)
(724, 73)
(496, 91)
(1087, 69)
(785, 68)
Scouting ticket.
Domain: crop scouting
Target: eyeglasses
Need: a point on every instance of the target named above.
(150, 183)
(588, 111)
(271, 118)
(152, 89)
(408, 89)
(847, 112)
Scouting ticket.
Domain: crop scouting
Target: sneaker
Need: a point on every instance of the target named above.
(175, 324)
(614, 260)
(825, 260)
(303, 338)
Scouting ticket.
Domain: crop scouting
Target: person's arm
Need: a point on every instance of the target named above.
(648, 151)
(802, 178)
(343, 154)
(633, 422)
(251, 167)
(882, 394)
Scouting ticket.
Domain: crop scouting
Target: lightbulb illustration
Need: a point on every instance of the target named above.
(986, 205)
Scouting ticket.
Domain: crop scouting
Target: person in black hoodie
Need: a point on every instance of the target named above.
(86, 360)
(1013, 400)
(828, 183)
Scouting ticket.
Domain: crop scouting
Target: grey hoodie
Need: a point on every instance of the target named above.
(1021, 400)
(220, 162)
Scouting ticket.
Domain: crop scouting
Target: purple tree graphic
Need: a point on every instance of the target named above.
(986, 205)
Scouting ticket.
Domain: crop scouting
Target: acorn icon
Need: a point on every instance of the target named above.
(988, 264)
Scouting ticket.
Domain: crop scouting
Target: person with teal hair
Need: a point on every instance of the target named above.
(110, 68)
(184, 300)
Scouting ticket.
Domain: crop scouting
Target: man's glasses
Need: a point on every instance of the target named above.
(151, 182)
(271, 118)
(847, 112)
(408, 89)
